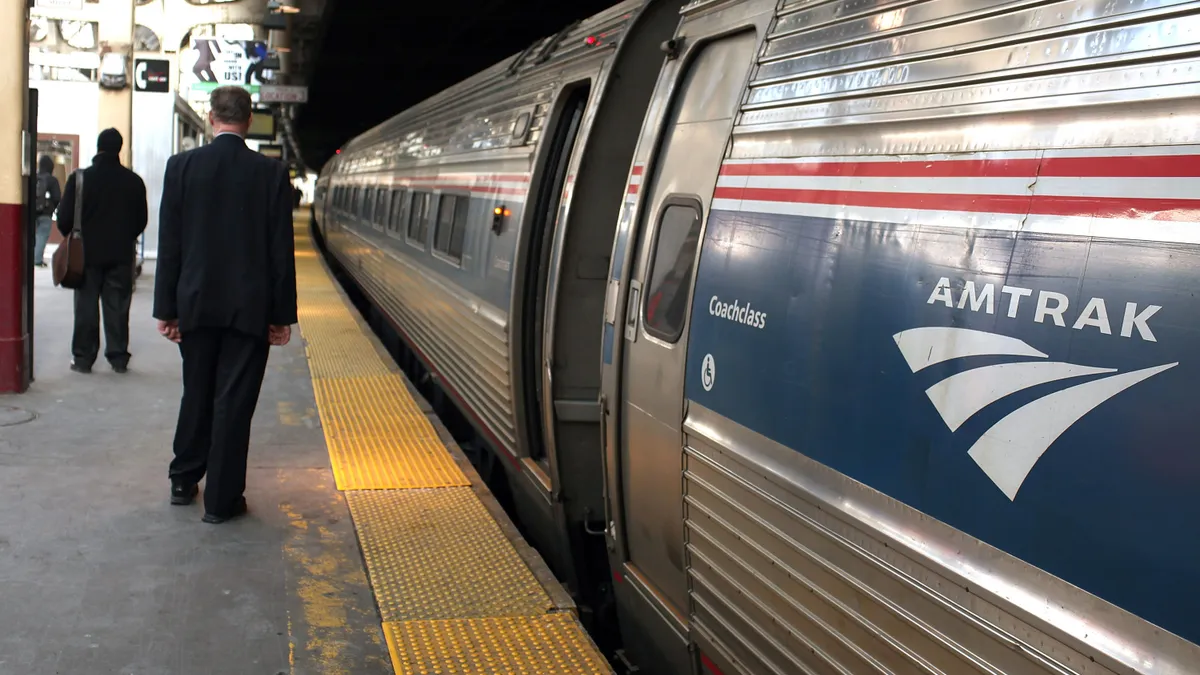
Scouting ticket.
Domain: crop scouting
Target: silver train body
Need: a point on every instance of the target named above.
(823, 336)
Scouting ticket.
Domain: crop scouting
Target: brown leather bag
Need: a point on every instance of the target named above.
(68, 259)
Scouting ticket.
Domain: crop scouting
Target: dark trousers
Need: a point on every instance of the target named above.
(111, 287)
(223, 372)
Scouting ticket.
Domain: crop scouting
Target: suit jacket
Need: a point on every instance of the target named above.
(226, 248)
(114, 211)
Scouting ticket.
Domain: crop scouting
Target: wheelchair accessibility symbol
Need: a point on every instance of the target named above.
(708, 372)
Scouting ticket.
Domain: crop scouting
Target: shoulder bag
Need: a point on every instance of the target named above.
(68, 259)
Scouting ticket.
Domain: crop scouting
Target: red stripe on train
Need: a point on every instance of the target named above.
(709, 665)
(1158, 166)
(480, 189)
(1047, 205)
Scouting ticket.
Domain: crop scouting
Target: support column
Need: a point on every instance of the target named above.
(116, 106)
(14, 231)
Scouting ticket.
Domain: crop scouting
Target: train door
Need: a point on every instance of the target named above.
(680, 186)
(535, 371)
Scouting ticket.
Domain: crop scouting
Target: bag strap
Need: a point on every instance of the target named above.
(78, 202)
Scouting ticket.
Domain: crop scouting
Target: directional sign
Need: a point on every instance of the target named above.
(277, 93)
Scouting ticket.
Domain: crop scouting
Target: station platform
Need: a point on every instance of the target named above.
(370, 546)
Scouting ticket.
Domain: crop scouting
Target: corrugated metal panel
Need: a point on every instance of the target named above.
(470, 350)
(833, 64)
(784, 586)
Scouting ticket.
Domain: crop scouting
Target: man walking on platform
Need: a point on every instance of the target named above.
(114, 215)
(225, 290)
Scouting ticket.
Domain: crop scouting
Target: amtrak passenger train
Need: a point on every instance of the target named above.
(823, 336)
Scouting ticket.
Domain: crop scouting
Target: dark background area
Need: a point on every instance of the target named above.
(377, 57)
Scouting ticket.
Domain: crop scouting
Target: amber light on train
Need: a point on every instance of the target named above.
(498, 215)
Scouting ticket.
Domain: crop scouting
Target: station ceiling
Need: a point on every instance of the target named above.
(366, 60)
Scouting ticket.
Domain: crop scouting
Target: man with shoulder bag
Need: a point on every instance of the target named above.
(102, 214)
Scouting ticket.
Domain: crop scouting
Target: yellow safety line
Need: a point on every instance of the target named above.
(453, 593)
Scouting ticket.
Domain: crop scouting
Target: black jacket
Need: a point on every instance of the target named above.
(226, 248)
(114, 211)
(52, 188)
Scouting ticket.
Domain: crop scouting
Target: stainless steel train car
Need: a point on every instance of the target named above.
(850, 336)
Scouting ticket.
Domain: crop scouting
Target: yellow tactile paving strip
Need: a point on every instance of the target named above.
(525, 645)
(454, 595)
(452, 562)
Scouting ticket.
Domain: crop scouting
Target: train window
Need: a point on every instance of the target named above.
(457, 237)
(398, 212)
(418, 218)
(671, 272)
(381, 205)
(452, 226)
(368, 207)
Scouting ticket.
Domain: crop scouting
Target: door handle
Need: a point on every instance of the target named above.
(609, 526)
(632, 309)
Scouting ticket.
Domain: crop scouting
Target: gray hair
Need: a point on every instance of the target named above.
(230, 104)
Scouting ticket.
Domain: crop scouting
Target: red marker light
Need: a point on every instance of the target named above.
(338, 151)
(591, 40)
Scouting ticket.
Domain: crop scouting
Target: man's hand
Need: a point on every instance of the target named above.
(279, 336)
(170, 330)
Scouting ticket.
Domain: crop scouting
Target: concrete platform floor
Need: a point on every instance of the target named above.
(99, 575)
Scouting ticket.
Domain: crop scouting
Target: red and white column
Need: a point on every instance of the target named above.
(15, 331)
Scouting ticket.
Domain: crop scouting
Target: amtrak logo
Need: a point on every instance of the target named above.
(1008, 450)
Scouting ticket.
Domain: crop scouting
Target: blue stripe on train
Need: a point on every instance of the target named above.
(1110, 506)
(609, 333)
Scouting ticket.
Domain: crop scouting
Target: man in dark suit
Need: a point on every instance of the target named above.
(114, 216)
(225, 290)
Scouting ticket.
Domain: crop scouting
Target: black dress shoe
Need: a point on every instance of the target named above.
(182, 495)
(80, 368)
(121, 368)
(215, 519)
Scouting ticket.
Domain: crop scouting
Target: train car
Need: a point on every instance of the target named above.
(859, 334)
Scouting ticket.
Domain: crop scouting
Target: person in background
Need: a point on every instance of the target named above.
(114, 215)
(48, 195)
(225, 291)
